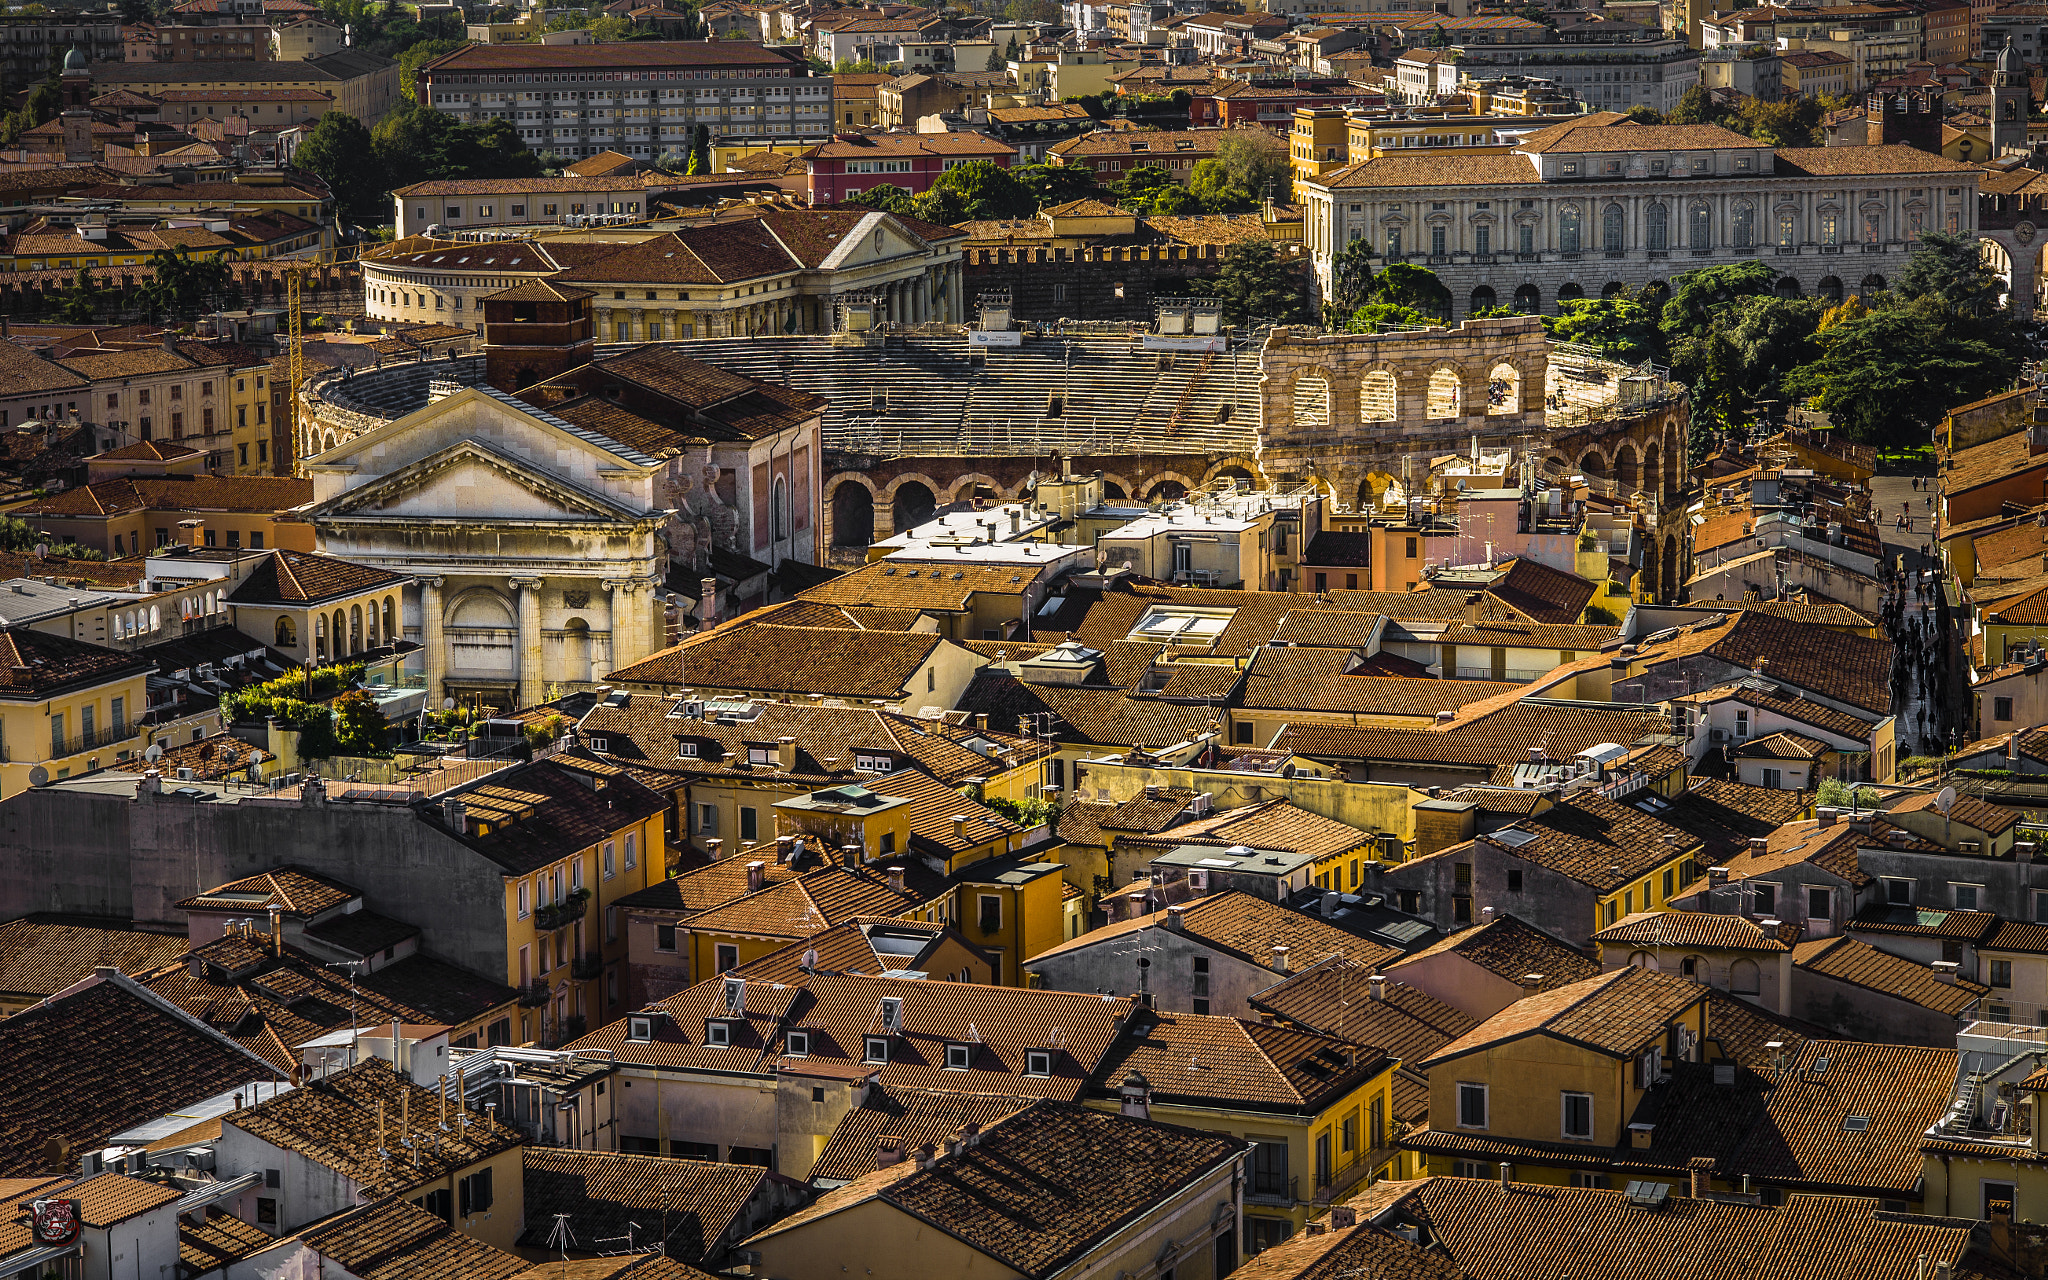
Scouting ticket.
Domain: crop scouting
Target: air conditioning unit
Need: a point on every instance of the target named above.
(1719, 735)
(184, 774)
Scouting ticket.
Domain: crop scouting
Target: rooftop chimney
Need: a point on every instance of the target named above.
(888, 1150)
(1507, 1175)
(1378, 984)
(276, 930)
(1825, 815)
(1945, 971)
(1176, 919)
(896, 880)
(707, 603)
(1343, 1217)
(927, 1155)
(960, 827)
(1702, 1170)
(757, 876)
(455, 814)
(1280, 957)
(1531, 983)
(1717, 876)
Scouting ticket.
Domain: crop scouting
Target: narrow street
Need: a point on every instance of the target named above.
(1925, 664)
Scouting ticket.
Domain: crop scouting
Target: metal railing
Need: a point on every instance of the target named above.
(63, 747)
(533, 994)
(586, 966)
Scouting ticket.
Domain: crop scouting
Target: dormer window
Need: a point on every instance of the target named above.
(1701, 164)
(1038, 1062)
(717, 1034)
(799, 1044)
(1570, 169)
(686, 750)
(868, 762)
(759, 755)
(959, 1057)
(639, 1028)
(876, 1050)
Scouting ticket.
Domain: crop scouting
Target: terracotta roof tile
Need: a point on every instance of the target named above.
(217, 1239)
(1246, 926)
(772, 659)
(807, 905)
(1545, 594)
(298, 891)
(254, 494)
(1336, 998)
(1202, 1060)
(1927, 923)
(1306, 679)
(1595, 840)
(40, 956)
(1832, 849)
(566, 813)
(394, 1240)
(916, 1116)
(601, 1192)
(1690, 929)
(1511, 948)
(1615, 1013)
(1040, 1187)
(1848, 960)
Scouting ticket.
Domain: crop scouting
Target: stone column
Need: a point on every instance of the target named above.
(433, 641)
(625, 640)
(531, 686)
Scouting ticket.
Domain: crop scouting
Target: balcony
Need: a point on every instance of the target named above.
(560, 915)
(63, 747)
(587, 966)
(1271, 1189)
(533, 994)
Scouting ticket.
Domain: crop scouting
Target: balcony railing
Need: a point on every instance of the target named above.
(587, 966)
(60, 748)
(533, 994)
(560, 915)
(1348, 1174)
(1265, 1188)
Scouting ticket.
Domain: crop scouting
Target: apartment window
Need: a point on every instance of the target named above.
(958, 1057)
(2001, 973)
(1038, 1062)
(749, 824)
(876, 1050)
(1577, 1119)
(57, 734)
(727, 956)
(1998, 1199)
(1766, 898)
(718, 1034)
(1774, 779)
(989, 912)
(640, 1030)
(707, 819)
(117, 714)
(1819, 904)
(1411, 548)
(474, 1192)
(1471, 1105)
(2001, 708)
(1966, 896)
(606, 856)
(256, 539)
(1514, 882)
(798, 1044)
(2041, 905)
(266, 1211)
(1899, 893)
(632, 849)
(665, 937)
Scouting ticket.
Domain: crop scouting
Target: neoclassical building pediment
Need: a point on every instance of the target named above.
(471, 480)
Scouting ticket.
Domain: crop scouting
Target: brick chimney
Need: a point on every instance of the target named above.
(1280, 957)
(1702, 1170)
(757, 876)
(888, 1150)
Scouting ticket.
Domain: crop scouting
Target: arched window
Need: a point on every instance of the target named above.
(390, 620)
(156, 617)
(1446, 394)
(287, 634)
(1504, 389)
(1700, 234)
(781, 510)
(1744, 978)
(1873, 228)
(1568, 229)
(1312, 402)
(320, 637)
(1642, 960)
(1656, 228)
(1376, 397)
(1743, 234)
(1611, 229)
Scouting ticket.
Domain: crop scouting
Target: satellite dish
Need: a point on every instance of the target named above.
(255, 755)
(155, 752)
(39, 777)
(810, 960)
(256, 772)
(447, 704)
(1946, 800)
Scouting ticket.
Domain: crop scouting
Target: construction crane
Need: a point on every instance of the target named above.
(295, 326)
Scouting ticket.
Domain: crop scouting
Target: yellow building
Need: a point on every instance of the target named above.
(565, 941)
(771, 917)
(66, 707)
(1318, 141)
(1320, 1110)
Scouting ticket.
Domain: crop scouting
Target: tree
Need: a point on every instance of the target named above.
(1051, 184)
(888, 198)
(358, 725)
(81, 303)
(1351, 281)
(1622, 328)
(985, 190)
(612, 27)
(1403, 284)
(995, 60)
(1645, 115)
(1887, 377)
(1369, 318)
(1210, 182)
(419, 144)
(1137, 188)
(1256, 167)
(412, 59)
(1031, 11)
(1951, 272)
(700, 149)
(339, 153)
(1255, 285)
(1696, 106)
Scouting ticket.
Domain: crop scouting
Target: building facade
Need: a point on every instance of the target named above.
(641, 99)
(1591, 209)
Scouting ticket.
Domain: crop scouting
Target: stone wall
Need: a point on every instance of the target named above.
(1120, 282)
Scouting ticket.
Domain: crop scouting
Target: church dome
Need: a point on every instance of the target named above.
(2009, 58)
(75, 61)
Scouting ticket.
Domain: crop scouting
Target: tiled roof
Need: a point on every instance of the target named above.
(1784, 745)
(2016, 935)
(705, 887)
(1098, 717)
(804, 906)
(1336, 998)
(1347, 1253)
(917, 1116)
(1533, 1231)
(1307, 679)
(1596, 841)
(1691, 929)
(85, 1065)
(841, 1010)
(1832, 849)
(771, 659)
(35, 664)
(849, 947)
(104, 1201)
(1846, 959)
(1511, 948)
(1851, 162)
(299, 891)
(1801, 710)
(40, 956)
(1968, 811)
(302, 577)
(1246, 926)
(394, 1240)
(566, 813)
(1727, 815)
(696, 1201)
(1496, 740)
(255, 495)
(1041, 1188)
(217, 1239)
(1851, 669)
(1927, 922)
(1270, 824)
(1198, 1059)
(613, 55)
(333, 1122)
(1615, 1014)
(1545, 594)
(933, 806)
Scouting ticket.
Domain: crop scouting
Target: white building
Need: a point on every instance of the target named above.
(1586, 209)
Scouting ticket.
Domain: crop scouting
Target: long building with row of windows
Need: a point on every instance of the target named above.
(1591, 207)
(638, 98)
